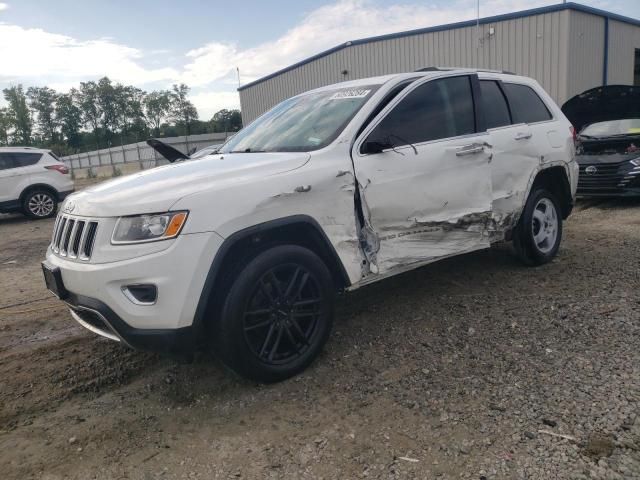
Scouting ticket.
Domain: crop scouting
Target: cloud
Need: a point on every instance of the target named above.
(329, 26)
(36, 57)
(209, 102)
(32, 53)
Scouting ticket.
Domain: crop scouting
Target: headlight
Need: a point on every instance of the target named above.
(636, 162)
(148, 228)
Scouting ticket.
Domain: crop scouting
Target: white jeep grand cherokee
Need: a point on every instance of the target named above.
(243, 251)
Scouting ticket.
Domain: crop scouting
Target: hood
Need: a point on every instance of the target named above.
(167, 151)
(157, 189)
(604, 159)
(602, 104)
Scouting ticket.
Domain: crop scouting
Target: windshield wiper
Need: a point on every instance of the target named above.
(247, 150)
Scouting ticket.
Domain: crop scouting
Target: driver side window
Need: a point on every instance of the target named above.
(435, 110)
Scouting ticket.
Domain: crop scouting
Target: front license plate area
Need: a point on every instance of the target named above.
(53, 281)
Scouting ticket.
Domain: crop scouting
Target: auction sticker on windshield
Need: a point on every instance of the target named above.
(357, 93)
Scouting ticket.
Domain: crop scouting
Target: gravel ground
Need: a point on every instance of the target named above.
(475, 367)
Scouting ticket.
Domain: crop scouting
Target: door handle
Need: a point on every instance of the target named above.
(523, 136)
(471, 149)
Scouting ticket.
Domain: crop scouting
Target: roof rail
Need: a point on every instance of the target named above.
(448, 69)
(13, 147)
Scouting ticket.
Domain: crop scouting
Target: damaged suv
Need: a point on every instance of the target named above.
(244, 251)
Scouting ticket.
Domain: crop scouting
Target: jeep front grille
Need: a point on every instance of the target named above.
(73, 237)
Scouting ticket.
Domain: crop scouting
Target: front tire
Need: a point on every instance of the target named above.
(539, 232)
(277, 314)
(39, 204)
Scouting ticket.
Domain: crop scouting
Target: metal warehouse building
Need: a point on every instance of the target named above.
(568, 48)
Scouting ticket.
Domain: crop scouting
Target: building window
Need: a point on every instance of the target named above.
(636, 68)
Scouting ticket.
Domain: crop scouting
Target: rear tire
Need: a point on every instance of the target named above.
(277, 314)
(539, 231)
(40, 203)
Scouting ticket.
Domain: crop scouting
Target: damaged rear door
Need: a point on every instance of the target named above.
(424, 177)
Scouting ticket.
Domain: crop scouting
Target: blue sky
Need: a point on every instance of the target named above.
(153, 44)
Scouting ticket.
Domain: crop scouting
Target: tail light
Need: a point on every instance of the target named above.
(574, 134)
(59, 168)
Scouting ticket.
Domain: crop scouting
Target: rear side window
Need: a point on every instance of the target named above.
(18, 159)
(496, 111)
(6, 161)
(526, 105)
(24, 159)
(438, 109)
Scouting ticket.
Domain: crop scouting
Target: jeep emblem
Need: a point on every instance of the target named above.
(591, 170)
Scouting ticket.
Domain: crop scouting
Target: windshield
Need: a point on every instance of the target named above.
(301, 124)
(629, 126)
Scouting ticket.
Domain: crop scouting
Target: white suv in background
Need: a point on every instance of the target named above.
(244, 250)
(32, 181)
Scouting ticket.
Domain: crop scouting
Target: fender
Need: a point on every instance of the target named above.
(38, 185)
(566, 180)
(216, 266)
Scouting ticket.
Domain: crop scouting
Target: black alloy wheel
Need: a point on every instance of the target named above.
(277, 314)
(282, 315)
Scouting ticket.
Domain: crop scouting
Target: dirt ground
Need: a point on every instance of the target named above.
(474, 367)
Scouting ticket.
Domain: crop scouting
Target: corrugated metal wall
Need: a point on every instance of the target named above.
(623, 40)
(586, 44)
(534, 46)
(563, 50)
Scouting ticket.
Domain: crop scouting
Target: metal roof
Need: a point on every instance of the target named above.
(469, 23)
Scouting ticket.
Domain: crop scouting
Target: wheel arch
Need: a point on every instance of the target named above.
(38, 186)
(245, 244)
(556, 180)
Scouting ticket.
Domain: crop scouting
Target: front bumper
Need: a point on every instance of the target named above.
(612, 179)
(626, 192)
(100, 319)
(94, 292)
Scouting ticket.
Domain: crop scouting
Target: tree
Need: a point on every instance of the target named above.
(89, 106)
(69, 117)
(129, 109)
(42, 101)
(19, 115)
(157, 106)
(5, 125)
(226, 121)
(182, 111)
(107, 95)
(92, 115)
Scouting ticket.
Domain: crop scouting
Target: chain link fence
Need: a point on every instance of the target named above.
(125, 159)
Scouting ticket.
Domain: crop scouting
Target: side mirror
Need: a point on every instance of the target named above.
(375, 147)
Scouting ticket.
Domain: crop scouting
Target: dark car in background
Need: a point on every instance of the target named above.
(607, 120)
(174, 155)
